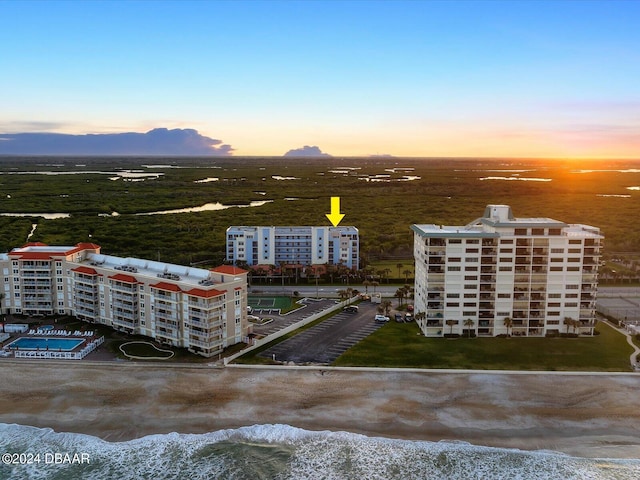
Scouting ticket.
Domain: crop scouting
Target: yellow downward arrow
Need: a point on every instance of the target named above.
(335, 217)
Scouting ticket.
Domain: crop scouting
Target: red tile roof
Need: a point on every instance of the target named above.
(229, 269)
(200, 292)
(172, 287)
(33, 255)
(121, 277)
(85, 270)
(83, 246)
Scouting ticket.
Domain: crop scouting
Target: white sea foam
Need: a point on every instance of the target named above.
(285, 452)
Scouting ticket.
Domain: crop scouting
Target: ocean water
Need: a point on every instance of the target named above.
(281, 452)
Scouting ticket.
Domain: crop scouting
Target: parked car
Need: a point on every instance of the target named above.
(399, 317)
(381, 319)
(408, 317)
(351, 309)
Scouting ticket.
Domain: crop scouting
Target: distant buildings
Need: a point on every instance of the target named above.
(202, 310)
(293, 246)
(505, 275)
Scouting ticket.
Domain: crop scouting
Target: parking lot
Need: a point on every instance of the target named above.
(326, 341)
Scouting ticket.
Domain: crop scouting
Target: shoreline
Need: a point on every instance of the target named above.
(581, 414)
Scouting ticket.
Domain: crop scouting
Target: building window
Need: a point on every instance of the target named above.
(520, 231)
(505, 269)
(455, 240)
(471, 277)
(537, 231)
(453, 295)
(453, 304)
(504, 295)
(453, 269)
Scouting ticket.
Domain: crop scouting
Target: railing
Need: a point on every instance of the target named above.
(90, 347)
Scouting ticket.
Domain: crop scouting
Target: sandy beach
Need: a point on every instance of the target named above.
(584, 415)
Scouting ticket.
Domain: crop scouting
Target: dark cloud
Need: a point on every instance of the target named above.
(306, 151)
(159, 141)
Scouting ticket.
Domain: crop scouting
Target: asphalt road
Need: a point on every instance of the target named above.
(326, 341)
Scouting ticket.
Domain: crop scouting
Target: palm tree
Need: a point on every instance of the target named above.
(399, 267)
(451, 323)
(387, 271)
(386, 306)
(469, 323)
(342, 294)
(400, 294)
(406, 274)
(374, 284)
(568, 321)
(366, 284)
(575, 324)
(508, 322)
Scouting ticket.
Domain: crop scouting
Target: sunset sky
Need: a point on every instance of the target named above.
(415, 78)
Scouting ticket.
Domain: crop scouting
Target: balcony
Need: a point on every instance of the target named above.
(203, 323)
(205, 344)
(123, 322)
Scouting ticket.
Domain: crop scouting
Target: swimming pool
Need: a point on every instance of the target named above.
(53, 344)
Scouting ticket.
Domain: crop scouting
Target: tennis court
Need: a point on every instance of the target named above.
(269, 302)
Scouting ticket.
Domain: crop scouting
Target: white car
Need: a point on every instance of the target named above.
(381, 318)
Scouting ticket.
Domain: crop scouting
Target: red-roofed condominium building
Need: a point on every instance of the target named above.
(202, 310)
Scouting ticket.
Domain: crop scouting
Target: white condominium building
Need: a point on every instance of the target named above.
(293, 246)
(202, 310)
(539, 274)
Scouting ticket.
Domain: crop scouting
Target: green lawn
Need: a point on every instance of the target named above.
(399, 345)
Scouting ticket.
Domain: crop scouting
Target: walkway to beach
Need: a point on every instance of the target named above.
(633, 358)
